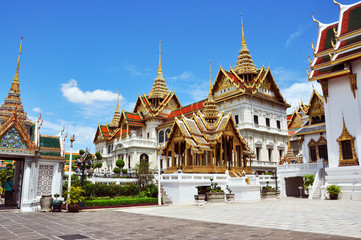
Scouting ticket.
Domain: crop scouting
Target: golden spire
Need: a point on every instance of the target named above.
(117, 115)
(15, 85)
(210, 110)
(245, 63)
(160, 73)
(244, 46)
(210, 82)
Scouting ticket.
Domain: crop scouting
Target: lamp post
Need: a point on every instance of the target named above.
(72, 139)
(159, 195)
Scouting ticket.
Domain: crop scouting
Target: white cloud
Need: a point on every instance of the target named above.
(37, 109)
(299, 91)
(74, 94)
(185, 76)
(132, 69)
(300, 30)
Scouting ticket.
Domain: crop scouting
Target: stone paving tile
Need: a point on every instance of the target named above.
(235, 221)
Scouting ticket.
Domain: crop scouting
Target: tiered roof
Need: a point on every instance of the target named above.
(245, 63)
(159, 89)
(337, 44)
(13, 100)
(201, 136)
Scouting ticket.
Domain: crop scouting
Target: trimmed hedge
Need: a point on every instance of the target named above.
(119, 201)
(102, 190)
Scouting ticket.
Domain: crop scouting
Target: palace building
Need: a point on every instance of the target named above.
(337, 67)
(38, 159)
(194, 140)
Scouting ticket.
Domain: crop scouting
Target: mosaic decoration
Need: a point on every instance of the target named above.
(45, 179)
(12, 140)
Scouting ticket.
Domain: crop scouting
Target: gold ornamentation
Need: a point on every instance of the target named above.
(346, 142)
(324, 86)
(353, 83)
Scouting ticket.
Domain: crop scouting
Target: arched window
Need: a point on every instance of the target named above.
(161, 136)
(167, 132)
(144, 158)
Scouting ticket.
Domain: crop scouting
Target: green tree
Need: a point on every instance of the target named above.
(124, 171)
(144, 174)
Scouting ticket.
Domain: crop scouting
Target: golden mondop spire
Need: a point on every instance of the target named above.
(15, 85)
(159, 89)
(117, 115)
(13, 101)
(210, 110)
(245, 63)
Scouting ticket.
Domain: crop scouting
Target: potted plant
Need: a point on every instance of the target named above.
(229, 195)
(56, 204)
(74, 198)
(216, 194)
(333, 191)
(308, 182)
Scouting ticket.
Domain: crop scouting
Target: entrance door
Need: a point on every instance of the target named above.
(15, 169)
(292, 186)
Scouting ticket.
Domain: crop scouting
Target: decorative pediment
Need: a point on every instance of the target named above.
(316, 108)
(14, 136)
(296, 121)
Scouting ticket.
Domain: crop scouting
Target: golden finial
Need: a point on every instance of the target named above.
(15, 85)
(117, 109)
(160, 74)
(244, 46)
(313, 47)
(309, 60)
(332, 43)
(339, 5)
(210, 79)
(315, 20)
(308, 73)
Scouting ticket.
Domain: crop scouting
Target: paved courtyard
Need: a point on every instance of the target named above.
(287, 218)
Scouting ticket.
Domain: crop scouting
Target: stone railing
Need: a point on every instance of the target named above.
(306, 166)
(112, 180)
(256, 163)
(193, 177)
(135, 141)
(262, 128)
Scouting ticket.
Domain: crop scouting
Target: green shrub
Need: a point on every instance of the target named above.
(333, 189)
(308, 180)
(102, 190)
(119, 201)
(120, 163)
(116, 170)
(124, 171)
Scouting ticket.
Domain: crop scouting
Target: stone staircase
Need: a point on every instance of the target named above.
(315, 192)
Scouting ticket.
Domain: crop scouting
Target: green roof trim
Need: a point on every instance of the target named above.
(52, 154)
(49, 142)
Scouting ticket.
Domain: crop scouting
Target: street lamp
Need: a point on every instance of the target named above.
(159, 195)
(72, 139)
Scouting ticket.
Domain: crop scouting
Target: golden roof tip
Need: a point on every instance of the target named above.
(160, 62)
(244, 46)
(315, 20)
(15, 85)
(339, 5)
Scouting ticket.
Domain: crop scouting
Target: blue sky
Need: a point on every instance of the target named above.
(76, 55)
